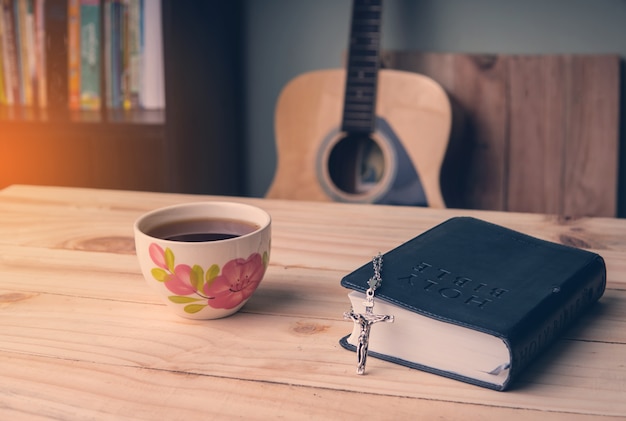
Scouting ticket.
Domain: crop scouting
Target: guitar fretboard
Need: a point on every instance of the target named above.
(359, 111)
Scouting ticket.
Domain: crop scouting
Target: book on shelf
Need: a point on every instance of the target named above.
(55, 71)
(22, 51)
(41, 94)
(115, 45)
(73, 53)
(152, 77)
(112, 46)
(475, 301)
(3, 97)
(134, 54)
(10, 57)
(25, 35)
(90, 41)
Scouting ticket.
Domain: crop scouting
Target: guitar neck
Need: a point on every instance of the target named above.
(359, 111)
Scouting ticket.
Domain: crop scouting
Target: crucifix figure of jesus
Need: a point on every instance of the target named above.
(365, 322)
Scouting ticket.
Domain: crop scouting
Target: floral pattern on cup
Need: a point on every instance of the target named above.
(195, 288)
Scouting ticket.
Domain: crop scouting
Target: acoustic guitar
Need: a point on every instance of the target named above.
(364, 134)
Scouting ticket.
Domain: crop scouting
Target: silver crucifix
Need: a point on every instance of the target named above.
(365, 322)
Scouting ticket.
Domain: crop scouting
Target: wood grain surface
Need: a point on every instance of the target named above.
(84, 338)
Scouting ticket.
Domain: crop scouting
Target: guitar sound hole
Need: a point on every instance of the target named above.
(356, 164)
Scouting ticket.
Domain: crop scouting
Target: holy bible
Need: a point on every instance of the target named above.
(475, 301)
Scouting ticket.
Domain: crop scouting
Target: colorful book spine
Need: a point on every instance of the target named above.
(40, 54)
(130, 44)
(113, 53)
(30, 76)
(90, 92)
(124, 58)
(3, 97)
(25, 47)
(152, 91)
(11, 70)
(17, 24)
(107, 53)
(134, 46)
(22, 56)
(73, 53)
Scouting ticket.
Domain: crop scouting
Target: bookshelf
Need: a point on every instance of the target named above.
(192, 146)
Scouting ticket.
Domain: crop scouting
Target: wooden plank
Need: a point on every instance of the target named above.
(68, 211)
(541, 131)
(591, 154)
(73, 390)
(535, 136)
(111, 334)
(563, 134)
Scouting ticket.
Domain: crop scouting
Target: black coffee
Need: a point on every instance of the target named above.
(205, 229)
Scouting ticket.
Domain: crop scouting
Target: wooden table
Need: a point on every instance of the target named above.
(82, 337)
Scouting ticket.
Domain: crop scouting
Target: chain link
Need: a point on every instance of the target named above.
(375, 281)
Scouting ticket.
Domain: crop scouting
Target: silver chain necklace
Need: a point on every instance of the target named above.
(365, 320)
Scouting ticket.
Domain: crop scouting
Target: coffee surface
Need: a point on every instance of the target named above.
(202, 229)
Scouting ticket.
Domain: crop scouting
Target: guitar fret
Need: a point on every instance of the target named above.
(358, 128)
(365, 59)
(365, 50)
(363, 39)
(366, 32)
(370, 24)
(361, 122)
(360, 97)
(357, 107)
(356, 104)
(357, 115)
(365, 35)
(360, 92)
(361, 79)
(369, 69)
(356, 85)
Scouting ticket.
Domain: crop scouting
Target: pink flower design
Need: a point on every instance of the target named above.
(237, 282)
(177, 280)
(157, 255)
(196, 288)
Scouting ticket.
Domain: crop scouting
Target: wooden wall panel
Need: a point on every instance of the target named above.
(536, 139)
(540, 132)
(591, 153)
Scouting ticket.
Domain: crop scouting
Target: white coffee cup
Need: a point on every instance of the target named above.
(202, 277)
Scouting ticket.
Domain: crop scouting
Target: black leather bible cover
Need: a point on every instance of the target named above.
(485, 277)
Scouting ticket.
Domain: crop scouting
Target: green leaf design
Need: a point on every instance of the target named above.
(266, 259)
(178, 299)
(212, 273)
(197, 277)
(169, 259)
(159, 274)
(194, 308)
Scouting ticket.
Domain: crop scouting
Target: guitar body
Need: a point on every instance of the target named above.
(413, 121)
